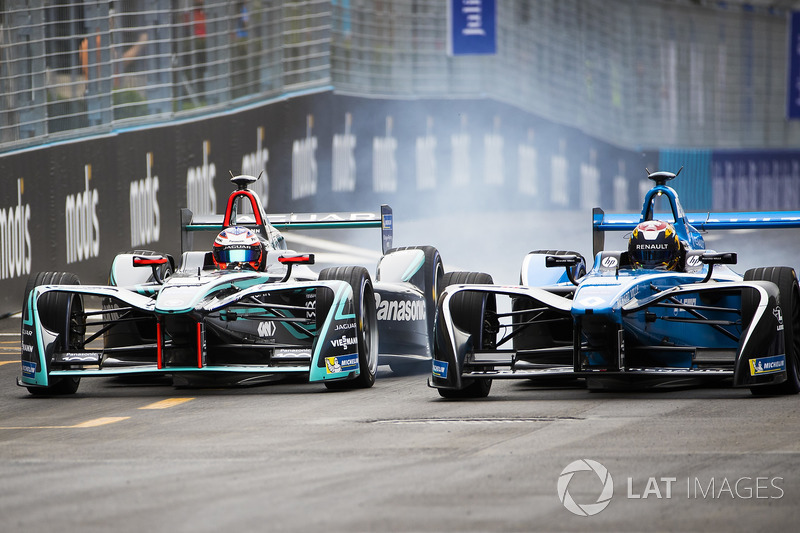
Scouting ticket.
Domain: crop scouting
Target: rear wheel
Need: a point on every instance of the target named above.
(62, 313)
(786, 280)
(429, 280)
(474, 313)
(366, 324)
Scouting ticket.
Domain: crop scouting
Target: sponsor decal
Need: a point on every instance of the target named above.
(200, 195)
(346, 325)
(384, 161)
(767, 365)
(440, 369)
(81, 222)
(341, 363)
(493, 161)
(255, 163)
(28, 369)
(400, 310)
(15, 238)
(609, 262)
(266, 329)
(460, 164)
(527, 165)
(79, 357)
(145, 212)
(425, 153)
(304, 163)
(344, 342)
(293, 353)
(693, 261)
(778, 316)
(344, 159)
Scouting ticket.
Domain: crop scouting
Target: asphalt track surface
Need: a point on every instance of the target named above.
(129, 456)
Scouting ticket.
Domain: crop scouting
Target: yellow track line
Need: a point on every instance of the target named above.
(165, 404)
(88, 424)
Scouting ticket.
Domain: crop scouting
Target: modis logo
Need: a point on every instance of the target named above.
(384, 161)
(82, 225)
(15, 238)
(200, 195)
(255, 163)
(304, 163)
(344, 159)
(145, 213)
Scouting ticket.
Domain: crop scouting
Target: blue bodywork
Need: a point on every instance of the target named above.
(617, 325)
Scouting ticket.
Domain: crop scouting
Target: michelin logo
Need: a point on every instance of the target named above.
(767, 365)
(440, 369)
(342, 363)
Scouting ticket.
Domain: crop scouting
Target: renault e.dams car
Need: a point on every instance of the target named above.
(623, 325)
(249, 311)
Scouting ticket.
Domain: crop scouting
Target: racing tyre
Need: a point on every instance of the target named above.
(59, 312)
(475, 314)
(429, 280)
(786, 280)
(366, 324)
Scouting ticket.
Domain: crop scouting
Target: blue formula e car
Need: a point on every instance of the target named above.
(665, 312)
(246, 312)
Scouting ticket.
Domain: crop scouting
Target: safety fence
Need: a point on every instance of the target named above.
(653, 74)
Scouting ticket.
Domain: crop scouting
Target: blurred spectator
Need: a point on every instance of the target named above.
(197, 19)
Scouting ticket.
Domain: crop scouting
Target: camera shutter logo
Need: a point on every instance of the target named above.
(588, 509)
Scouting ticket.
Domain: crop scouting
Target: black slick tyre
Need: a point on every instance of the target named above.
(472, 312)
(786, 280)
(62, 313)
(366, 324)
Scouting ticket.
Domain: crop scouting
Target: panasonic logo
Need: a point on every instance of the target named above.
(400, 310)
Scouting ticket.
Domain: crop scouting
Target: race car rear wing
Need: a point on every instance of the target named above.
(294, 221)
(602, 222)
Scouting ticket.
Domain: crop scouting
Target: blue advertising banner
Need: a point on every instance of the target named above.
(793, 79)
(471, 27)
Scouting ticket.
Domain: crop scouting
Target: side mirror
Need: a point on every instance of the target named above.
(711, 259)
(294, 259)
(152, 261)
(567, 261)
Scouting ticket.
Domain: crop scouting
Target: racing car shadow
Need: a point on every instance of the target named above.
(637, 390)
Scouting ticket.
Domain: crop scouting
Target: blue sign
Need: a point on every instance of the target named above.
(471, 27)
(793, 90)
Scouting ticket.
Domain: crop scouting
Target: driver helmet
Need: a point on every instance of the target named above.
(238, 247)
(654, 244)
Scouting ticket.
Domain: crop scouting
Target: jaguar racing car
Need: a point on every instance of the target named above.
(201, 320)
(617, 326)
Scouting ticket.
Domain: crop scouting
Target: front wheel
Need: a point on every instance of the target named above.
(786, 280)
(474, 313)
(62, 313)
(366, 324)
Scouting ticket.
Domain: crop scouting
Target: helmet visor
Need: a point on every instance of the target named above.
(654, 258)
(241, 255)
